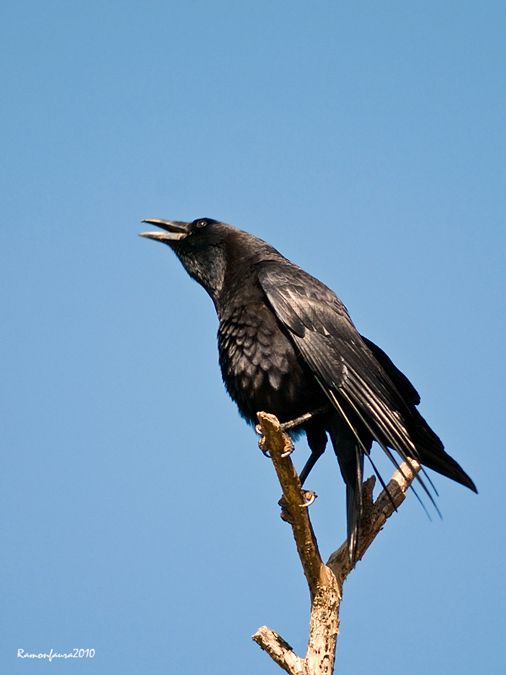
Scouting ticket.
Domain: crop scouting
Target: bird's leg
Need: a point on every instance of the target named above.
(317, 441)
(304, 418)
(311, 461)
(297, 422)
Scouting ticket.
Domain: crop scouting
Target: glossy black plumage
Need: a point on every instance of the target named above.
(288, 346)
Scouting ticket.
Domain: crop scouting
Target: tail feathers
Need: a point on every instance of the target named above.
(445, 465)
(351, 446)
(431, 453)
(430, 449)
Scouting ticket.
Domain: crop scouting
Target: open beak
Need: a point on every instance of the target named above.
(174, 230)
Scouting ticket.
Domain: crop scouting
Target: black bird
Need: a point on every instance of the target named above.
(287, 346)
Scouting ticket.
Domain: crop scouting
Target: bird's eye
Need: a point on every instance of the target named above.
(201, 223)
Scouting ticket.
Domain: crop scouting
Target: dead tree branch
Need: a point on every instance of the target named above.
(325, 582)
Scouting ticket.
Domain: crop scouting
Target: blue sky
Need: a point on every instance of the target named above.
(366, 141)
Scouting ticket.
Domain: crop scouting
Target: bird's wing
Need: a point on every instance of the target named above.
(346, 369)
(370, 394)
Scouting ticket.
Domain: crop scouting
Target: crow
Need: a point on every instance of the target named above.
(288, 346)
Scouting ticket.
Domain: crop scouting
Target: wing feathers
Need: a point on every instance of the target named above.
(372, 396)
(332, 347)
(351, 370)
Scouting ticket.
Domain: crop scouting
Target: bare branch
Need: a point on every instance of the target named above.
(325, 582)
(294, 500)
(279, 651)
(323, 587)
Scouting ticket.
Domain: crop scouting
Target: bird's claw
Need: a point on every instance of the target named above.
(261, 445)
(310, 498)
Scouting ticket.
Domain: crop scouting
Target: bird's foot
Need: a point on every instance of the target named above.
(309, 497)
(267, 454)
(261, 443)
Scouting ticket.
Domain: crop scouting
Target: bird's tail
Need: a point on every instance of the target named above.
(432, 454)
(351, 447)
(430, 449)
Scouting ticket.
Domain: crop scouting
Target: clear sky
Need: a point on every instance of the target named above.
(366, 141)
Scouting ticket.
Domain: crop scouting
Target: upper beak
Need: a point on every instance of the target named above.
(174, 230)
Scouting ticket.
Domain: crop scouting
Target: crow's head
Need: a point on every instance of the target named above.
(202, 246)
(209, 250)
